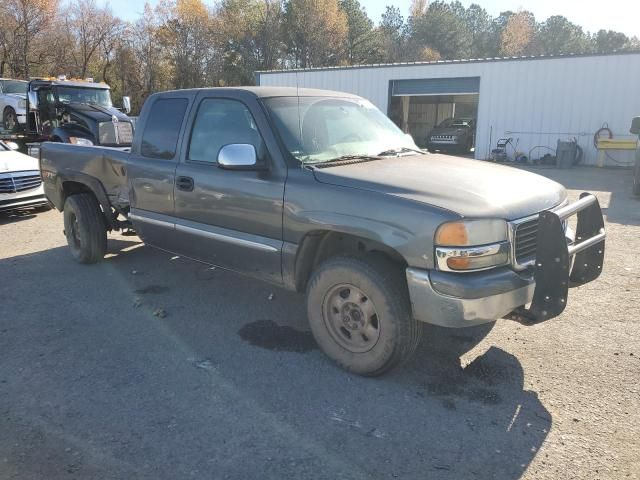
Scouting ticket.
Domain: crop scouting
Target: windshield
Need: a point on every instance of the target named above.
(320, 129)
(14, 86)
(94, 96)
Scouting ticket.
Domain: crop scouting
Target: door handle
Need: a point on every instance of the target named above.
(185, 183)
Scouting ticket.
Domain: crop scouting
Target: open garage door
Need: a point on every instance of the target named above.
(419, 106)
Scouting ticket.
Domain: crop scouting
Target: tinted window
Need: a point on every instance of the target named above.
(160, 137)
(221, 122)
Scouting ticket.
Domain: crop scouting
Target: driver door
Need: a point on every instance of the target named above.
(230, 218)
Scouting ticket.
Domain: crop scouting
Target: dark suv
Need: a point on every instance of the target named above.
(453, 135)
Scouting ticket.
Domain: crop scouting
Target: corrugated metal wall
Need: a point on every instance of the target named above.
(535, 101)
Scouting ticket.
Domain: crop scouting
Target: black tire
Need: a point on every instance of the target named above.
(85, 228)
(383, 284)
(9, 120)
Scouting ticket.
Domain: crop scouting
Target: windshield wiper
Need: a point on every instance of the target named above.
(398, 151)
(344, 158)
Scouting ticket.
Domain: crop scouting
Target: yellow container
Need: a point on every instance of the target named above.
(617, 144)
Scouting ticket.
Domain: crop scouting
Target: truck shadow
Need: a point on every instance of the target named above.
(432, 418)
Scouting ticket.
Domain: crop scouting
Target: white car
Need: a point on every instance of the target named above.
(13, 103)
(20, 182)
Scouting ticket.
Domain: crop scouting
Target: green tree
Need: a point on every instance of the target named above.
(316, 32)
(251, 38)
(557, 35)
(393, 35)
(609, 41)
(363, 42)
(478, 23)
(442, 28)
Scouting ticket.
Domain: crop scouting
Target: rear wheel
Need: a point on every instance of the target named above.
(360, 314)
(9, 119)
(84, 228)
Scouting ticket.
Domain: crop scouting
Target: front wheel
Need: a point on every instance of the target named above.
(84, 228)
(10, 119)
(360, 314)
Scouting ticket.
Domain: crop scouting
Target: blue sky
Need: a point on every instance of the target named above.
(621, 15)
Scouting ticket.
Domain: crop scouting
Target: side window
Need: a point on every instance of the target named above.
(220, 122)
(160, 136)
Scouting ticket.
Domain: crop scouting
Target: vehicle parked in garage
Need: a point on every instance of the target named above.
(20, 183)
(321, 193)
(76, 111)
(635, 129)
(13, 103)
(453, 135)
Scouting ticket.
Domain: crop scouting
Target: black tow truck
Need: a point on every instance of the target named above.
(80, 112)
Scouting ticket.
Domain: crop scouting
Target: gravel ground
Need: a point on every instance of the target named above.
(151, 366)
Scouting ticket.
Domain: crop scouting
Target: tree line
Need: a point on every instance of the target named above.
(187, 43)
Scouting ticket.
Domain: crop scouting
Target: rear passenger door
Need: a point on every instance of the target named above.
(231, 218)
(152, 168)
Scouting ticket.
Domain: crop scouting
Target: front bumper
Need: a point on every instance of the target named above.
(466, 299)
(25, 199)
(457, 300)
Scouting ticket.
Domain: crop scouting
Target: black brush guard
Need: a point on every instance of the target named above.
(554, 271)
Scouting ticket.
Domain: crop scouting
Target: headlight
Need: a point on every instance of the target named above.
(22, 104)
(472, 245)
(85, 142)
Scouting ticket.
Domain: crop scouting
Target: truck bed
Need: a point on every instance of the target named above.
(104, 170)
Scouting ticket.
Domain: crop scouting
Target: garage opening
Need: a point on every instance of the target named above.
(440, 114)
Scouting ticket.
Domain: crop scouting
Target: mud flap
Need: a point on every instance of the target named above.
(552, 271)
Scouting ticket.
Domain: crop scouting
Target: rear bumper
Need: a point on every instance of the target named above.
(455, 301)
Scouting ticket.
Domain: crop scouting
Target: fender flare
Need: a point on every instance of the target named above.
(96, 187)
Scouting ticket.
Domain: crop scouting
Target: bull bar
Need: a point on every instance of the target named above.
(561, 265)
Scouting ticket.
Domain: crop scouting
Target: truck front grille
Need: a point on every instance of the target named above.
(19, 181)
(526, 237)
(119, 133)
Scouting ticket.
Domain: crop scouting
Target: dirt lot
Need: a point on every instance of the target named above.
(151, 366)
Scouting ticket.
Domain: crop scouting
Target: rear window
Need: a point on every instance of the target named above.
(160, 136)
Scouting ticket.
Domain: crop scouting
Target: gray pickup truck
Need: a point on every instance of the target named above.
(321, 193)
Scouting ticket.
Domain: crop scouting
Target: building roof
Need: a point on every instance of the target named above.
(447, 62)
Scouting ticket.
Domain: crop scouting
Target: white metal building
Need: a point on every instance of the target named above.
(534, 100)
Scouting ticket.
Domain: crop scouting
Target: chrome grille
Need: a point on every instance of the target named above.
(19, 181)
(526, 237)
(119, 133)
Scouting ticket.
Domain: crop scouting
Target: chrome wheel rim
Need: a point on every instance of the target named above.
(351, 318)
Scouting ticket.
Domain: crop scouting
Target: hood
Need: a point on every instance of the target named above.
(96, 112)
(470, 188)
(12, 161)
(22, 96)
(449, 131)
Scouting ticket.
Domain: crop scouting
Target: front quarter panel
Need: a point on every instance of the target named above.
(403, 225)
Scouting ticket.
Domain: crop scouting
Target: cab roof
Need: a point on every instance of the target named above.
(68, 83)
(268, 92)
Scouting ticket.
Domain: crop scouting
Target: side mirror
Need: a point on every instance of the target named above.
(12, 145)
(126, 105)
(238, 156)
(635, 126)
